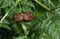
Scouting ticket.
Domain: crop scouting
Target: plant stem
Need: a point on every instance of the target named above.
(42, 5)
(4, 17)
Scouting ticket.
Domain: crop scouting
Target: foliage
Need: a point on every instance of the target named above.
(45, 25)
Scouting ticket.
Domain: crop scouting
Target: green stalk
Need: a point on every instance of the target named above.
(42, 5)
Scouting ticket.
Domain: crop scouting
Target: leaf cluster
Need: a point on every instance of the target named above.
(45, 25)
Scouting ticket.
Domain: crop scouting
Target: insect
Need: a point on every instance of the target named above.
(28, 16)
(18, 17)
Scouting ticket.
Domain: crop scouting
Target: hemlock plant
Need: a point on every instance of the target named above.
(45, 25)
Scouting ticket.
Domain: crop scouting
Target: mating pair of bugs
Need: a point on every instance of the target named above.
(27, 16)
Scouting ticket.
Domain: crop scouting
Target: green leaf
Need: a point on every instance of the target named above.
(16, 28)
(26, 9)
(7, 3)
